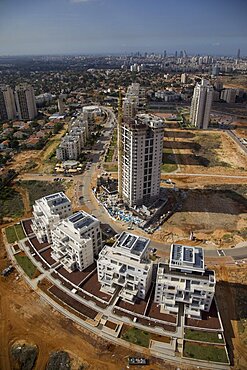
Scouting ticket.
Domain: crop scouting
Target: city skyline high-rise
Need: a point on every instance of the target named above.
(7, 103)
(25, 102)
(201, 105)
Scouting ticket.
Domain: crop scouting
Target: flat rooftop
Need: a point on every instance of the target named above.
(132, 244)
(185, 257)
(56, 199)
(81, 220)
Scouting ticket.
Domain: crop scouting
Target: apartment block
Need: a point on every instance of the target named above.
(129, 108)
(141, 143)
(25, 102)
(126, 266)
(7, 103)
(185, 282)
(229, 95)
(47, 212)
(76, 240)
(73, 143)
(201, 105)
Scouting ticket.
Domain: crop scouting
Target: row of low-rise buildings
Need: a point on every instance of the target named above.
(124, 268)
(19, 104)
(80, 129)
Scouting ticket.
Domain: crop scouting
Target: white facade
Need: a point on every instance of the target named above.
(61, 104)
(136, 93)
(129, 108)
(47, 212)
(73, 143)
(141, 159)
(228, 95)
(185, 281)
(25, 102)
(184, 78)
(7, 103)
(201, 105)
(126, 265)
(76, 240)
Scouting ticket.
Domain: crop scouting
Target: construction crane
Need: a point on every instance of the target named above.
(120, 117)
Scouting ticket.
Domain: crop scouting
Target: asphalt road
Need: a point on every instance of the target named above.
(98, 210)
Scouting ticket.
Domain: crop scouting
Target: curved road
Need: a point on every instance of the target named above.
(98, 210)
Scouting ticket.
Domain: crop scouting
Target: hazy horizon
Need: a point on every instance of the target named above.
(104, 27)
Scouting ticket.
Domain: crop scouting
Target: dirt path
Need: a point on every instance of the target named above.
(25, 199)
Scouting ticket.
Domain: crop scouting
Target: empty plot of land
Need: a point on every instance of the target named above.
(197, 151)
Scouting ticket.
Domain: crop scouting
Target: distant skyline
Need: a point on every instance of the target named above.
(33, 27)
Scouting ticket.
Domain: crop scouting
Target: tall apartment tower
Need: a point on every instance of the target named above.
(201, 105)
(7, 103)
(141, 142)
(25, 102)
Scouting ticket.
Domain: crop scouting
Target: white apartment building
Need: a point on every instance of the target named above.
(201, 105)
(229, 95)
(126, 266)
(129, 108)
(47, 212)
(136, 93)
(140, 159)
(184, 78)
(73, 143)
(76, 240)
(185, 281)
(61, 104)
(7, 103)
(25, 102)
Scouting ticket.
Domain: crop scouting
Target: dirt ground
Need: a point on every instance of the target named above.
(25, 317)
(240, 128)
(22, 160)
(212, 208)
(215, 213)
(232, 285)
(205, 152)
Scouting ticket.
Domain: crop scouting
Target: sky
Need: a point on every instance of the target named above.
(216, 27)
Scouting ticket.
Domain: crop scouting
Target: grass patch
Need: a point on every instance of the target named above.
(136, 336)
(168, 160)
(112, 147)
(11, 204)
(205, 352)
(27, 266)
(14, 233)
(203, 336)
(207, 148)
(39, 189)
(110, 167)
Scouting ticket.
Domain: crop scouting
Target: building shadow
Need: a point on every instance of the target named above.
(232, 304)
(179, 134)
(182, 145)
(185, 159)
(213, 200)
